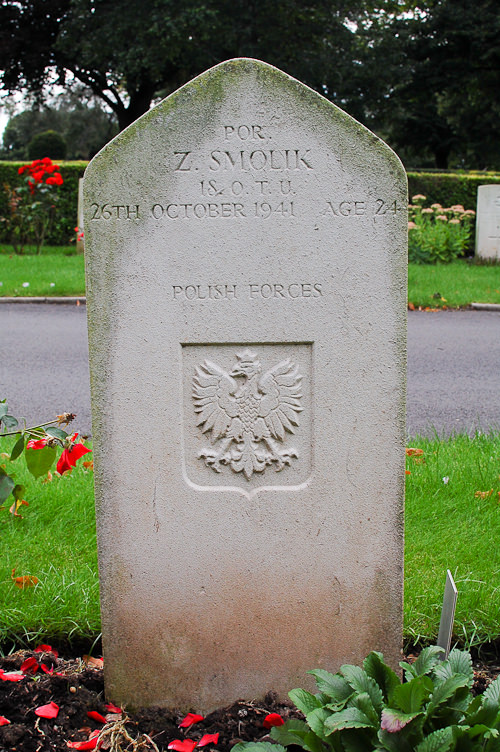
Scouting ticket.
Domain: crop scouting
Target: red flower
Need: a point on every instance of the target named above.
(91, 742)
(47, 711)
(4, 721)
(190, 719)
(14, 676)
(273, 719)
(30, 664)
(55, 179)
(113, 708)
(69, 457)
(22, 169)
(46, 649)
(36, 444)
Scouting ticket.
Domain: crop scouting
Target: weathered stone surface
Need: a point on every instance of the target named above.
(488, 222)
(246, 282)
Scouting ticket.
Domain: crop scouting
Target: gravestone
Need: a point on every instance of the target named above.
(488, 222)
(246, 283)
(80, 247)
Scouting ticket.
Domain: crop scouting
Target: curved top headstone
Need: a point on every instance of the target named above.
(246, 285)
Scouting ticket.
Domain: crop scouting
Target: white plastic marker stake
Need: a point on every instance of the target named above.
(447, 615)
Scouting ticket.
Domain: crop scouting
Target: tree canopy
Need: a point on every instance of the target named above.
(424, 75)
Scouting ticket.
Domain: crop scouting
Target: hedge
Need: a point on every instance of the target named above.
(446, 188)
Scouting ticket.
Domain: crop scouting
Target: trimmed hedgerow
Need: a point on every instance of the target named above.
(62, 231)
(446, 188)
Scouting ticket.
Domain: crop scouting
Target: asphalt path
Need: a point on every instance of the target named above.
(453, 367)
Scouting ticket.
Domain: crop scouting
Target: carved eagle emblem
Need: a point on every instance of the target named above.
(247, 412)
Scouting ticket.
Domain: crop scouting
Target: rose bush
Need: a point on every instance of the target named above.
(32, 204)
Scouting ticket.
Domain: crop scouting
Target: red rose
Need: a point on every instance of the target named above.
(69, 457)
(36, 443)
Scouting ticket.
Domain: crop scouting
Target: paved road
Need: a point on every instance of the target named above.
(453, 367)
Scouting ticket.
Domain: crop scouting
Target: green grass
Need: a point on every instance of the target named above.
(46, 275)
(58, 270)
(447, 527)
(459, 283)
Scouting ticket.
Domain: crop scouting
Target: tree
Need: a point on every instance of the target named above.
(47, 144)
(77, 116)
(444, 102)
(128, 56)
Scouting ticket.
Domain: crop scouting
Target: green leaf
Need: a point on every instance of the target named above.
(18, 492)
(57, 433)
(444, 692)
(17, 449)
(364, 703)
(6, 486)
(439, 741)
(316, 721)
(333, 685)
(3, 408)
(458, 662)
(411, 696)
(257, 747)
(39, 461)
(347, 718)
(304, 700)
(424, 663)
(492, 693)
(9, 421)
(394, 720)
(361, 682)
(385, 677)
(295, 731)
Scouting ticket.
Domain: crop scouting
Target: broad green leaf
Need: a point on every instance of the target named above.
(385, 677)
(479, 730)
(9, 421)
(411, 696)
(6, 486)
(492, 693)
(439, 741)
(426, 660)
(347, 718)
(357, 740)
(39, 461)
(361, 682)
(444, 692)
(57, 433)
(364, 703)
(304, 700)
(333, 685)
(258, 747)
(394, 742)
(295, 731)
(316, 720)
(458, 662)
(17, 449)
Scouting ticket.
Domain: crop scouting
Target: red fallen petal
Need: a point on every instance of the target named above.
(113, 708)
(47, 711)
(10, 675)
(273, 719)
(182, 745)
(47, 649)
(47, 669)
(96, 716)
(190, 719)
(30, 664)
(91, 743)
(208, 739)
(4, 721)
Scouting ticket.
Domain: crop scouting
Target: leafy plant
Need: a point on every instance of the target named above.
(437, 234)
(369, 709)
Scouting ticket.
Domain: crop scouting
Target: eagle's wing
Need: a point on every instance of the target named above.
(213, 390)
(280, 403)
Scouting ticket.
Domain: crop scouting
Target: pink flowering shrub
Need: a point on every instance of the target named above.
(437, 234)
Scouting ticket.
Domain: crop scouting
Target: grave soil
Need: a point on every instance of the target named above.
(77, 688)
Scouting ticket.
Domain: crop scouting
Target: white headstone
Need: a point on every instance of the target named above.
(246, 282)
(488, 222)
(80, 247)
(447, 615)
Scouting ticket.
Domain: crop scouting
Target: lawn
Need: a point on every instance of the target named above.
(60, 271)
(452, 522)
